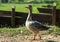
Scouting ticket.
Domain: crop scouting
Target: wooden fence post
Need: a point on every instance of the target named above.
(13, 16)
(54, 14)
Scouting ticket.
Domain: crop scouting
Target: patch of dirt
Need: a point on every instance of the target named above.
(20, 38)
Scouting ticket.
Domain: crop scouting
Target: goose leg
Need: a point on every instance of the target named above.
(34, 36)
(39, 36)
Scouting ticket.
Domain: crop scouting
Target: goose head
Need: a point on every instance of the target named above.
(29, 7)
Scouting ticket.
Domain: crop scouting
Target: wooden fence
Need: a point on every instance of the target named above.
(54, 12)
(12, 18)
(6, 18)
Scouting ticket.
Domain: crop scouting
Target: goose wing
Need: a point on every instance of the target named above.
(39, 25)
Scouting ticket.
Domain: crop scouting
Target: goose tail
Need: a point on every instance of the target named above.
(45, 27)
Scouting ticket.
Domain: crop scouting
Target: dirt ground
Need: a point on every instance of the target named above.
(20, 38)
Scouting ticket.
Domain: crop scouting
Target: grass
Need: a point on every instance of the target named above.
(54, 30)
(15, 31)
(20, 7)
(23, 31)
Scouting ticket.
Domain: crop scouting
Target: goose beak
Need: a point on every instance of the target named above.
(26, 7)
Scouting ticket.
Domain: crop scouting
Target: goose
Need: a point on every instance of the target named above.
(33, 25)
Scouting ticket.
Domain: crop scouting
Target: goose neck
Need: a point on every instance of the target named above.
(29, 15)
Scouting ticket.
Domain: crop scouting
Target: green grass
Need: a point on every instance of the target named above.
(54, 30)
(15, 31)
(20, 7)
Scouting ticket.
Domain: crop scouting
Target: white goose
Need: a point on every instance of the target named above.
(34, 26)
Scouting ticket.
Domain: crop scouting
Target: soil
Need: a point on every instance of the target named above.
(20, 38)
